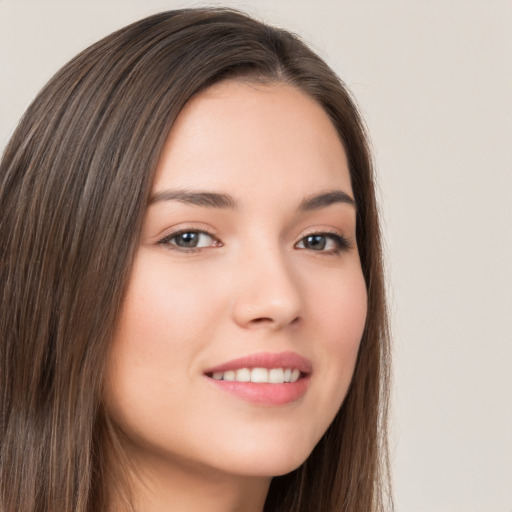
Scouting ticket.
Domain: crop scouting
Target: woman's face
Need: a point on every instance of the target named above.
(247, 269)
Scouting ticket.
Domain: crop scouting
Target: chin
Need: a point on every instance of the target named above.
(268, 461)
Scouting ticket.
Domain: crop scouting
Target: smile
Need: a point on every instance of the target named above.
(261, 375)
(269, 379)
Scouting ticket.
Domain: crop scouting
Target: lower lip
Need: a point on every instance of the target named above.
(264, 393)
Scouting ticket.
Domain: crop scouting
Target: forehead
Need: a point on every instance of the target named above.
(242, 135)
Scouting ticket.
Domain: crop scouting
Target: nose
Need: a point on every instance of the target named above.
(268, 292)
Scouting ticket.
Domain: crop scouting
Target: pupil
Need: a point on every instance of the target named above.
(316, 241)
(187, 240)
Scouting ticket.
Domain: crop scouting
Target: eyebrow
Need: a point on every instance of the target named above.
(325, 199)
(196, 198)
(217, 200)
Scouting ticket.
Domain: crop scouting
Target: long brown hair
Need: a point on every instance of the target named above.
(74, 185)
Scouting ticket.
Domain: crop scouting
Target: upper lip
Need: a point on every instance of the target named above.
(266, 360)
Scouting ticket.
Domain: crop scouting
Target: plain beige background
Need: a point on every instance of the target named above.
(434, 82)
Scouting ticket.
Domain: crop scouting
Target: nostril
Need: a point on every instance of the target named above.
(264, 321)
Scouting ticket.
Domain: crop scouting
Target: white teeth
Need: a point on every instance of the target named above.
(243, 375)
(276, 375)
(260, 375)
(229, 375)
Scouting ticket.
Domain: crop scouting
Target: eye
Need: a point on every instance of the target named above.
(324, 242)
(189, 240)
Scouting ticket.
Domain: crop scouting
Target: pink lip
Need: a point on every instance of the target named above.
(266, 360)
(265, 393)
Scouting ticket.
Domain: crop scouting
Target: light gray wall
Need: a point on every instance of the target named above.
(434, 81)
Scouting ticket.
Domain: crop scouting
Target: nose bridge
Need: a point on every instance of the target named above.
(269, 288)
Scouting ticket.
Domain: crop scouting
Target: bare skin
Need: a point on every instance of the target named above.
(248, 253)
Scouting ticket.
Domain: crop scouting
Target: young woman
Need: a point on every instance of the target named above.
(192, 312)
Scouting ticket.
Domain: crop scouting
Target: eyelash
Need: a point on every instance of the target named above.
(166, 241)
(341, 243)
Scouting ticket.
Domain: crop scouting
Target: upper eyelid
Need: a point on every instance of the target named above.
(338, 238)
(326, 232)
(169, 233)
(190, 230)
(313, 231)
(320, 231)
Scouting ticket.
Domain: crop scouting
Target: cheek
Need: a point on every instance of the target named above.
(350, 319)
(341, 313)
(167, 310)
(341, 308)
(350, 324)
(163, 325)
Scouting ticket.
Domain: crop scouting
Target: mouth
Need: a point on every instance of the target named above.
(264, 378)
(259, 375)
